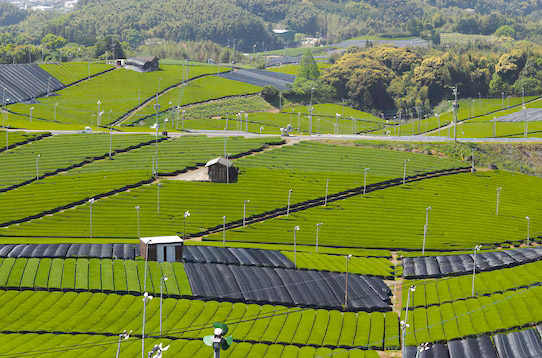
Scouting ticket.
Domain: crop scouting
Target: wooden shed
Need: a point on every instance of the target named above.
(142, 64)
(161, 248)
(221, 170)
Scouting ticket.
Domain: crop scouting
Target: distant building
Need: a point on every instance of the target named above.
(161, 248)
(221, 170)
(142, 64)
(287, 35)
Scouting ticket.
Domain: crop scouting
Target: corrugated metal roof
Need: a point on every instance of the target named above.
(227, 163)
(161, 240)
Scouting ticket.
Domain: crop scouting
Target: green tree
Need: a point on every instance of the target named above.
(506, 31)
(308, 69)
(53, 41)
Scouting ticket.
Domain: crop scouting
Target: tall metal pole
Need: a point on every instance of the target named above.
(54, 115)
(404, 170)
(296, 228)
(158, 198)
(365, 180)
(91, 201)
(317, 230)
(472, 158)
(110, 141)
(37, 167)
(298, 122)
(327, 187)
(476, 248)
(186, 214)
(162, 282)
(404, 324)
(146, 297)
(245, 212)
(528, 229)
(31, 110)
(288, 208)
(137, 214)
(425, 228)
(498, 196)
(455, 113)
(348, 257)
(224, 230)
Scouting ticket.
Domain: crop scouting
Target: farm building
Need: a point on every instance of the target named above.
(142, 64)
(161, 248)
(221, 170)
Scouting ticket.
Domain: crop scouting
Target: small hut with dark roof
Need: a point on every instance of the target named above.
(142, 64)
(221, 170)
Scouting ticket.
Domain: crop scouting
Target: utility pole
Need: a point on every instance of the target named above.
(455, 112)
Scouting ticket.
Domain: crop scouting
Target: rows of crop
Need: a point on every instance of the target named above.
(74, 71)
(434, 292)
(93, 346)
(265, 180)
(111, 313)
(414, 123)
(201, 89)
(272, 122)
(118, 92)
(95, 275)
(22, 163)
(109, 175)
(10, 139)
(487, 314)
(221, 107)
(335, 263)
(395, 217)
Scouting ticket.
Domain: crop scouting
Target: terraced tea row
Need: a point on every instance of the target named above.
(93, 346)
(305, 260)
(117, 91)
(451, 265)
(106, 177)
(289, 287)
(334, 263)
(95, 275)
(434, 292)
(525, 343)
(68, 73)
(43, 157)
(15, 139)
(395, 217)
(464, 318)
(199, 90)
(265, 180)
(192, 319)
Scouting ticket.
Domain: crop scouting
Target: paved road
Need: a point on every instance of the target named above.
(220, 133)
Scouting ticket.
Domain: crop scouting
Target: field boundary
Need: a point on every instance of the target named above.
(29, 140)
(83, 163)
(331, 198)
(129, 187)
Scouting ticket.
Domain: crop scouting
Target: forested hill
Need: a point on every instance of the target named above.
(243, 23)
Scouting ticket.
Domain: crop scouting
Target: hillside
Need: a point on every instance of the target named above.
(245, 23)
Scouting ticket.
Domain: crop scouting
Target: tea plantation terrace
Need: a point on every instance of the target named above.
(92, 346)
(109, 314)
(445, 265)
(524, 343)
(288, 287)
(280, 81)
(102, 251)
(439, 291)
(25, 81)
